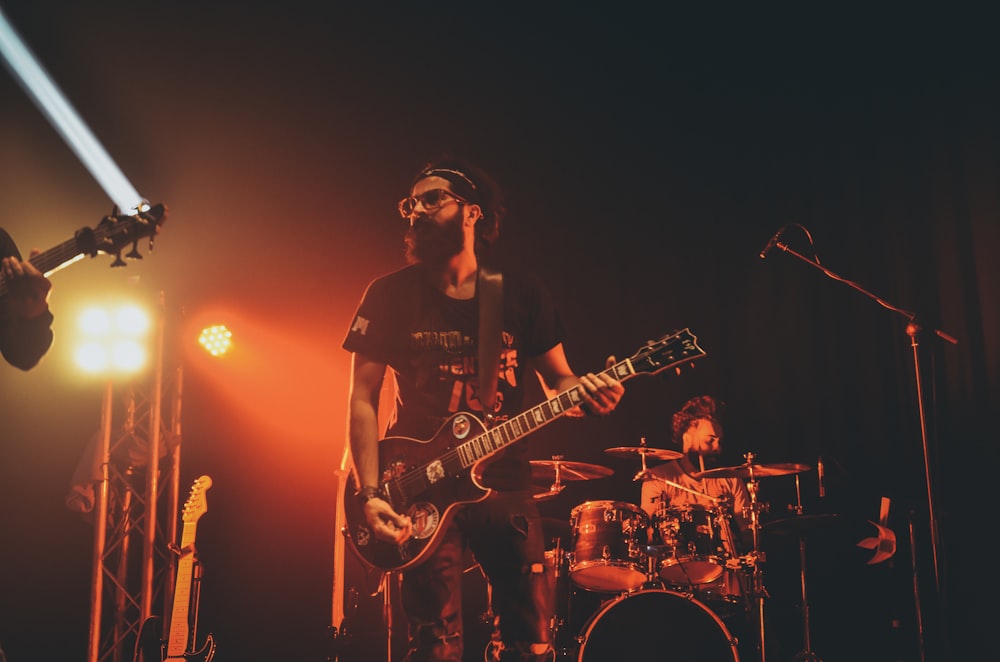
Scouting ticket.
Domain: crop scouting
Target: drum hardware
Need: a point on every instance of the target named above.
(694, 537)
(802, 525)
(557, 470)
(607, 554)
(751, 473)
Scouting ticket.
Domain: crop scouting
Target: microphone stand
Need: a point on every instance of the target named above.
(913, 329)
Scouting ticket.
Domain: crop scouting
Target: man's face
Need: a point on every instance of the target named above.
(702, 438)
(437, 231)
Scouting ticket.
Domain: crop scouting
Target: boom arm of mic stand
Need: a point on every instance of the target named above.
(912, 330)
(879, 300)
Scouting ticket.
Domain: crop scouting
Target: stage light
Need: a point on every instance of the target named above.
(112, 340)
(216, 339)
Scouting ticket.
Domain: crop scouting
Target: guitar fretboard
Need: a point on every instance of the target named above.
(530, 420)
(87, 241)
(180, 630)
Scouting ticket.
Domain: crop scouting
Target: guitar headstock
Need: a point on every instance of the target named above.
(196, 505)
(670, 351)
(116, 231)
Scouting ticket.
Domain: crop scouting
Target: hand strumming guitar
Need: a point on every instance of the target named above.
(386, 523)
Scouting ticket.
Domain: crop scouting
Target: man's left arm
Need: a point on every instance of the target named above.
(601, 392)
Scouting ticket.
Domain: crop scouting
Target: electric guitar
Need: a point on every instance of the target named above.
(149, 646)
(110, 236)
(427, 480)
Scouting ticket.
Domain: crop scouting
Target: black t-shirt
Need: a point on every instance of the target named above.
(430, 341)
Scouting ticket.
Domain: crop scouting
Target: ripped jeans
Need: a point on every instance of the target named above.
(504, 533)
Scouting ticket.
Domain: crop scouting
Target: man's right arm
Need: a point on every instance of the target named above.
(366, 385)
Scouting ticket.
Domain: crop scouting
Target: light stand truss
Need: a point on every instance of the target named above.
(136, 509)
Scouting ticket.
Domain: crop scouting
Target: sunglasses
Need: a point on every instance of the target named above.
(431, 200)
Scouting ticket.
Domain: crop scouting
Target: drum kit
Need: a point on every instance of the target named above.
(628, 582)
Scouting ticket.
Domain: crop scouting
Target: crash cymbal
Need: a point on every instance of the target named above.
(644, 451)
(546, 470)
(758, 470)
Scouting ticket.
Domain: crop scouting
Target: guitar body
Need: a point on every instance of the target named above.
(427, 480)
(152, 647)
(435, 484)
(204, 654)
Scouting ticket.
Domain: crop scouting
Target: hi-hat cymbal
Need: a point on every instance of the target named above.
(562, 470)
(639, 451)
(757, 470)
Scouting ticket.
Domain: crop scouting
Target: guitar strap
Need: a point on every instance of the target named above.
(490, 288)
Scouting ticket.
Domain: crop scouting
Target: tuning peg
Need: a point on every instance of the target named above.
(134, 254)
(119, 262)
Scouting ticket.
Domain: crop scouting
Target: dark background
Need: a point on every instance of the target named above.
(648, 154)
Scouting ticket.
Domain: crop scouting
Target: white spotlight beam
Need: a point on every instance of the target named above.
(53, 104)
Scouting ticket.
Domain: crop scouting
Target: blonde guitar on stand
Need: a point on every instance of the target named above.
(179, 645)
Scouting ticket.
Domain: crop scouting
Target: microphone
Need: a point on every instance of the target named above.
(774, 240)
(819, 473)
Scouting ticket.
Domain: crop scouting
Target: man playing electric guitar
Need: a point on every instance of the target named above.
(422, 322)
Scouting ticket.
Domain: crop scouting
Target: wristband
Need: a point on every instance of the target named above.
(368, 493)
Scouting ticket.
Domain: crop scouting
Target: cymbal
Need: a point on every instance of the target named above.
(759, 471)
(655, 453)
(552, 469)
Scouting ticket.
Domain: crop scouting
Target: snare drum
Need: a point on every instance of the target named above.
(693, 551)
(608, 546)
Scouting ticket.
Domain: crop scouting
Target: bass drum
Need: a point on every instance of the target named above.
(658, 624)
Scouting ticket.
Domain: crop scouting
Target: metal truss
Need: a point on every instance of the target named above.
(135, 512)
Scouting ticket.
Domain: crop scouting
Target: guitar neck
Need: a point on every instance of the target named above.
(506, 433)
(51, 260)
(180, 628)
(108, 236)
(57, 256)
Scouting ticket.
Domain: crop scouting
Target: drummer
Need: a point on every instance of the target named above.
(724, 501)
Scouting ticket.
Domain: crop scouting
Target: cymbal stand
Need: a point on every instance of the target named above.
(757, 581)
(388, 579)
(557, 486)
(806, 654)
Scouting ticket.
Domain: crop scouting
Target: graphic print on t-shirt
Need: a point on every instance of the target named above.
(456, 367)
